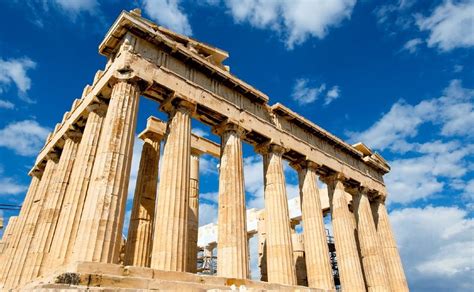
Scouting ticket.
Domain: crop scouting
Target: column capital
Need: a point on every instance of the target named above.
(128, 76)
(266, 148)
(177, 102)
(98, 106)
(302, 164)
(229, 126)
(74, 133)
(152, 136)
(332, 179)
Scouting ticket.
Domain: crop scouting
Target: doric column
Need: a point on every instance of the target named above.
(7, 234)
(18, 238)
(49, 214)
(348, 261)
(298, 243)
(318, 263)
(169, 239)
(393, 264)
(26, 239)
(372, 260)
(193, 213)
(232, 246)
(139, 239)
(280, 265)
(100, 229)
(68, 224)
(262, 247)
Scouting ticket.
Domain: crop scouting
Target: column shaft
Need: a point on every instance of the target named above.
(169, 239)
(7, 235)
(280, 265)
(49, 214)
(139, 239)
(26, 239)
(348, 262)
(100, 229)
(18, 237)
(193, 214)
(232, 245)
(372, 260)
(68, 224)
(393, 264)
(318, 263)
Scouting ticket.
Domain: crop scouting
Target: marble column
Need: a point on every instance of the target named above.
(280, 266)
(232, 245)
(372, 260)
(343, 224)
(388, 246)
(299, 258)
(18, 237)
(100, 229)
(193, 213)
(27, 235)
(68, 224)
(139, 239)
(169, 238)
(318, 263)
(49, 214)
(262, 247)
(7, 235)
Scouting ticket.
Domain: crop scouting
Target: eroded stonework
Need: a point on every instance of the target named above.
(68, 234)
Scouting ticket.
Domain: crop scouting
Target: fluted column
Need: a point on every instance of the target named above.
(388, 246)
(27, 238)
(193, 213)
(280, 266)
(100, 229)
(18, 237)
(169, 238)
(48, 219)
(68, 224)
(348, 262)
(139, 239)
(317, 259)
(7, 234)
(372, 260)
(232, 245)
(298, 243)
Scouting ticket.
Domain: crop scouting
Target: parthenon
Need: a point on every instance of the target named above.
(68, 234)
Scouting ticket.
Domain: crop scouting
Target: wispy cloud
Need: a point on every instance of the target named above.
(24, 137)
(168, 13)
(6, 104)
(450, 25)
(412, 45)
(15, 71)
(333, 94)
(306, 92)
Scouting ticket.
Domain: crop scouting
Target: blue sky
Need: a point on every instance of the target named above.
(397, 75)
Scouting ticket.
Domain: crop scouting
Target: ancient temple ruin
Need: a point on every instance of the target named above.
(68, 234)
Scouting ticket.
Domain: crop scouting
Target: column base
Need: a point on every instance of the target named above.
(107, 277)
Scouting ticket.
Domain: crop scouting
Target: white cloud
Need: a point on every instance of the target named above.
(296, 20)
(15, 71)
(333, 94)
(450, 25)
(8, 185)
(419, 177)
(76, 6)
(24, 137)
(210, 197)
(303, 93)
(412, 45)
(6, 104)
(207, 213)
(208, 165)
(445, 261)
(169, 14)
(454, 111)
(423, 166)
